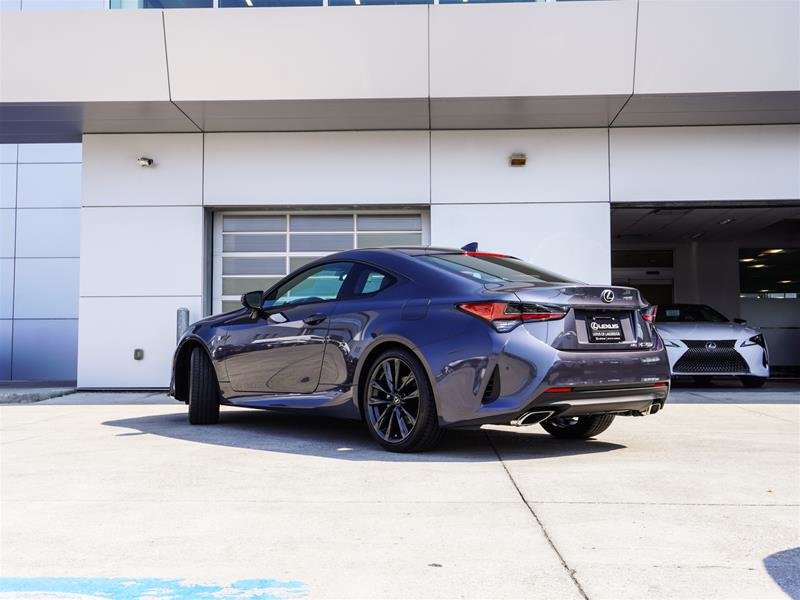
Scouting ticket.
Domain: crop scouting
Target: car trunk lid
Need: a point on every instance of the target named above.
(600, 318)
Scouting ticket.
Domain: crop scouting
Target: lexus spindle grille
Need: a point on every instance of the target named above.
(711, 356)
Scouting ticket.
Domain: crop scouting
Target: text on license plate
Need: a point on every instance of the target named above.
(604, 329)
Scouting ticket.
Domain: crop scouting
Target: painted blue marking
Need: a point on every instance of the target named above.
(148, 587)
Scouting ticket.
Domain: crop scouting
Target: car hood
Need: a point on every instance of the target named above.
(704, 331)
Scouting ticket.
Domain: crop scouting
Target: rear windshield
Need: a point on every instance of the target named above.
(688, 313)
(493, 269)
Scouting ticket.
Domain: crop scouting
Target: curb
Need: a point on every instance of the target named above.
(32, 396)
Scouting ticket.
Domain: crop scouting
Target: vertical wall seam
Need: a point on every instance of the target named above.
(166, 63)
(633, 78)
(430, 118)
(166, 55)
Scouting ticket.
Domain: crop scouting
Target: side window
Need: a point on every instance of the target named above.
(319, 284)
(371, 281)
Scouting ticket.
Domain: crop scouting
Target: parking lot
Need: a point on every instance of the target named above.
(117, 493)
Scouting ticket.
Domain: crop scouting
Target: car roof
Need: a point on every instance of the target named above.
(417, 250)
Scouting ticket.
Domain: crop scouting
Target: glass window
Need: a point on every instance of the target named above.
(485, 1)
(371, 281)
(252, 250)
(313, 223)
(318, 284)
(321, 242)
(254, 266)
(493, 269)
(260, 3)
(236, 286)
(688, 313)
(376, 240)
(254, 223)
(376, 2)
(161, 4)
(389, 223)
(254, 243)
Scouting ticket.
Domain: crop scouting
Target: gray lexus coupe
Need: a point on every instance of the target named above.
(416, 340)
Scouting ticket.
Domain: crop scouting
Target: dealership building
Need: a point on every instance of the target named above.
(188, 151)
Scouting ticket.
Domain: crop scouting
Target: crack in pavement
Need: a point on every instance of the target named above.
(750, 410)
(570, 571)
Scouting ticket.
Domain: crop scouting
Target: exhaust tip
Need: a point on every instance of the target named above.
(531, 418)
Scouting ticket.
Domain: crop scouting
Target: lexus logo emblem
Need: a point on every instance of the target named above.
(607, 296)
(711, 345)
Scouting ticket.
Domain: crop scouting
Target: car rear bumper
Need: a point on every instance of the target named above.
(637, 400)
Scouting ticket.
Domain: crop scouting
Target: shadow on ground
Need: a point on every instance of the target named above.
(784, 568)
(349, 440)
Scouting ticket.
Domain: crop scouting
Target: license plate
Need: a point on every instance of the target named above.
(604, 330)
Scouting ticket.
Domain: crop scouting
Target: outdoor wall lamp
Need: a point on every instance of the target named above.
(143, 161)
(518, 159)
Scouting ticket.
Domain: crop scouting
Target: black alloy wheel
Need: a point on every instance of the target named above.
(398, 403)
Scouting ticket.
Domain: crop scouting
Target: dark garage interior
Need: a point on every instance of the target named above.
(741, 259)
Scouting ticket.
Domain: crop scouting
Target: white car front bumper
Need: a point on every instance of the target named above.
(716, 357)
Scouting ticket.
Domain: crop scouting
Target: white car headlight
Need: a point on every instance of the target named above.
(756, 340)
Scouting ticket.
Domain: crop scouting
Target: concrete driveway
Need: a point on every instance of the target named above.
(118, 494)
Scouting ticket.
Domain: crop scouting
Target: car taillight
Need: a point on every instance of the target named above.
(649, 313)
(505, 316)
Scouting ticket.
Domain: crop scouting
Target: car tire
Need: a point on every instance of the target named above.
(425, 432)
(577, 428)
(203, 391)
(702, 380)
(753, 382)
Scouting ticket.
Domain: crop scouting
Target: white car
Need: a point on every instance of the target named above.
(703, 343)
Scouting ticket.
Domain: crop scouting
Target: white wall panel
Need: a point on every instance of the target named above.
(48, 232)
(103, 55)
(375, 167)
(110, 330)
(8, 185)
(705, 163)
(49, 153)
(527, 49)
(64, 4)
(564, 165)
(6, 288)
(46, 288)
(298, 53)
(48, 185)
(5, 349)
(571, 239)
(141, 251)
(718, 46)
(7, 232)
(45, 350)
(8, 153)
(112, 177)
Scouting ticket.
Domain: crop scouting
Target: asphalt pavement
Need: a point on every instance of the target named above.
(107, 493)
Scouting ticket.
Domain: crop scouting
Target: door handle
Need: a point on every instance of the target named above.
(314, 319)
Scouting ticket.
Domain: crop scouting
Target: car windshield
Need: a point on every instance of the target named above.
(489, 268)
(688, 313)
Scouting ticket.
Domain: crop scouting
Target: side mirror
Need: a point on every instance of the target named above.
(740, 321)
(252, 300)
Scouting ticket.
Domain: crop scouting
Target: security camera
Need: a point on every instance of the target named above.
(143, 161)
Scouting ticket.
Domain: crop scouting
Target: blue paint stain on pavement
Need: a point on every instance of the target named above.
(150, 588)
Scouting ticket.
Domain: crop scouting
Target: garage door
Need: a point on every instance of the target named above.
(254, 250)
